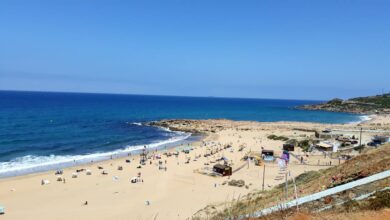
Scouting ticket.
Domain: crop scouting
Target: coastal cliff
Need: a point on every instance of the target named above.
(379, 104)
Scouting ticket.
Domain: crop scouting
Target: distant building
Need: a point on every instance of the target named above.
(325, 135)
(324, 146)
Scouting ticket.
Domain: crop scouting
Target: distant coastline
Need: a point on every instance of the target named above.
(379, 104)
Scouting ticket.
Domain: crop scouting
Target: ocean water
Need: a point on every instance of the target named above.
(41, 131)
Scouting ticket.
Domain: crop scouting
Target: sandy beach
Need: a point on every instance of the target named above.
(177, 192)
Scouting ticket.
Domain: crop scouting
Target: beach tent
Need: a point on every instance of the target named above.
(224, 170)
(2, 210)
(187, 149)
(288, 147)
(225, 159)
(269, 158)
(88, 172)
(324, 146)
(45, 182)
(267, 152)
(74, 175)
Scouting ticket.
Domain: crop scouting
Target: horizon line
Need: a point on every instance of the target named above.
(132, 94)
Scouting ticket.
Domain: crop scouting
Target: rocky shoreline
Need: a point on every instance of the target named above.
(324, 107)
(182, 125)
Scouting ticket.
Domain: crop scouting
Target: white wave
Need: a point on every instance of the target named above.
(365, 118)
(31, 163)
(362, 118)
(137, 123)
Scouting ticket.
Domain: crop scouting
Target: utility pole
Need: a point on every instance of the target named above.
(263, 176)
(360, 139)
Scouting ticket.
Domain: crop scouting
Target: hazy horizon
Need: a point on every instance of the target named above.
(189, 96)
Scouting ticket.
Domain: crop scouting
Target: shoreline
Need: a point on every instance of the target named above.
(77, 160)
(122, 153)
(69, 161)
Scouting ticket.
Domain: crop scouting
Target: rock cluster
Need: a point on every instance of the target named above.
(238, 183)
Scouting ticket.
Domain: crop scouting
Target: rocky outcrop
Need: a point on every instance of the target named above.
(183, 125)
(362, 105)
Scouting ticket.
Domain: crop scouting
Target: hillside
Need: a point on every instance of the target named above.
(368, 163)
(360, 105)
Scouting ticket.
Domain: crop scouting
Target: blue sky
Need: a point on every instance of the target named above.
(301, 49)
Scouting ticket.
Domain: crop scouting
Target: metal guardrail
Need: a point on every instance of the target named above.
(319, 195)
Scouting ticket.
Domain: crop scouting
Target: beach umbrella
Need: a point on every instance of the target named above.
(45, 182)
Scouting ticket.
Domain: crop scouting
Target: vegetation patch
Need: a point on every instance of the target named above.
(277, 138)
(379, 200)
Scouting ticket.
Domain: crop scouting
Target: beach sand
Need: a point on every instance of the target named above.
(176, 193)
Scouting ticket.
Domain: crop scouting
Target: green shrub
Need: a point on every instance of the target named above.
(277, 138)
(379, 200)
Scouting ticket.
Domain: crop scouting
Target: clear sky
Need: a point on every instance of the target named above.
(291, 49)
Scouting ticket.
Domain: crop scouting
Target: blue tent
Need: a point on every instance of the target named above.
(225, 158)
(2, 210)
(188, 148)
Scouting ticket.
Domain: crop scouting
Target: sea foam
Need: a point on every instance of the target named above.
(362, 118)
(31, 164)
